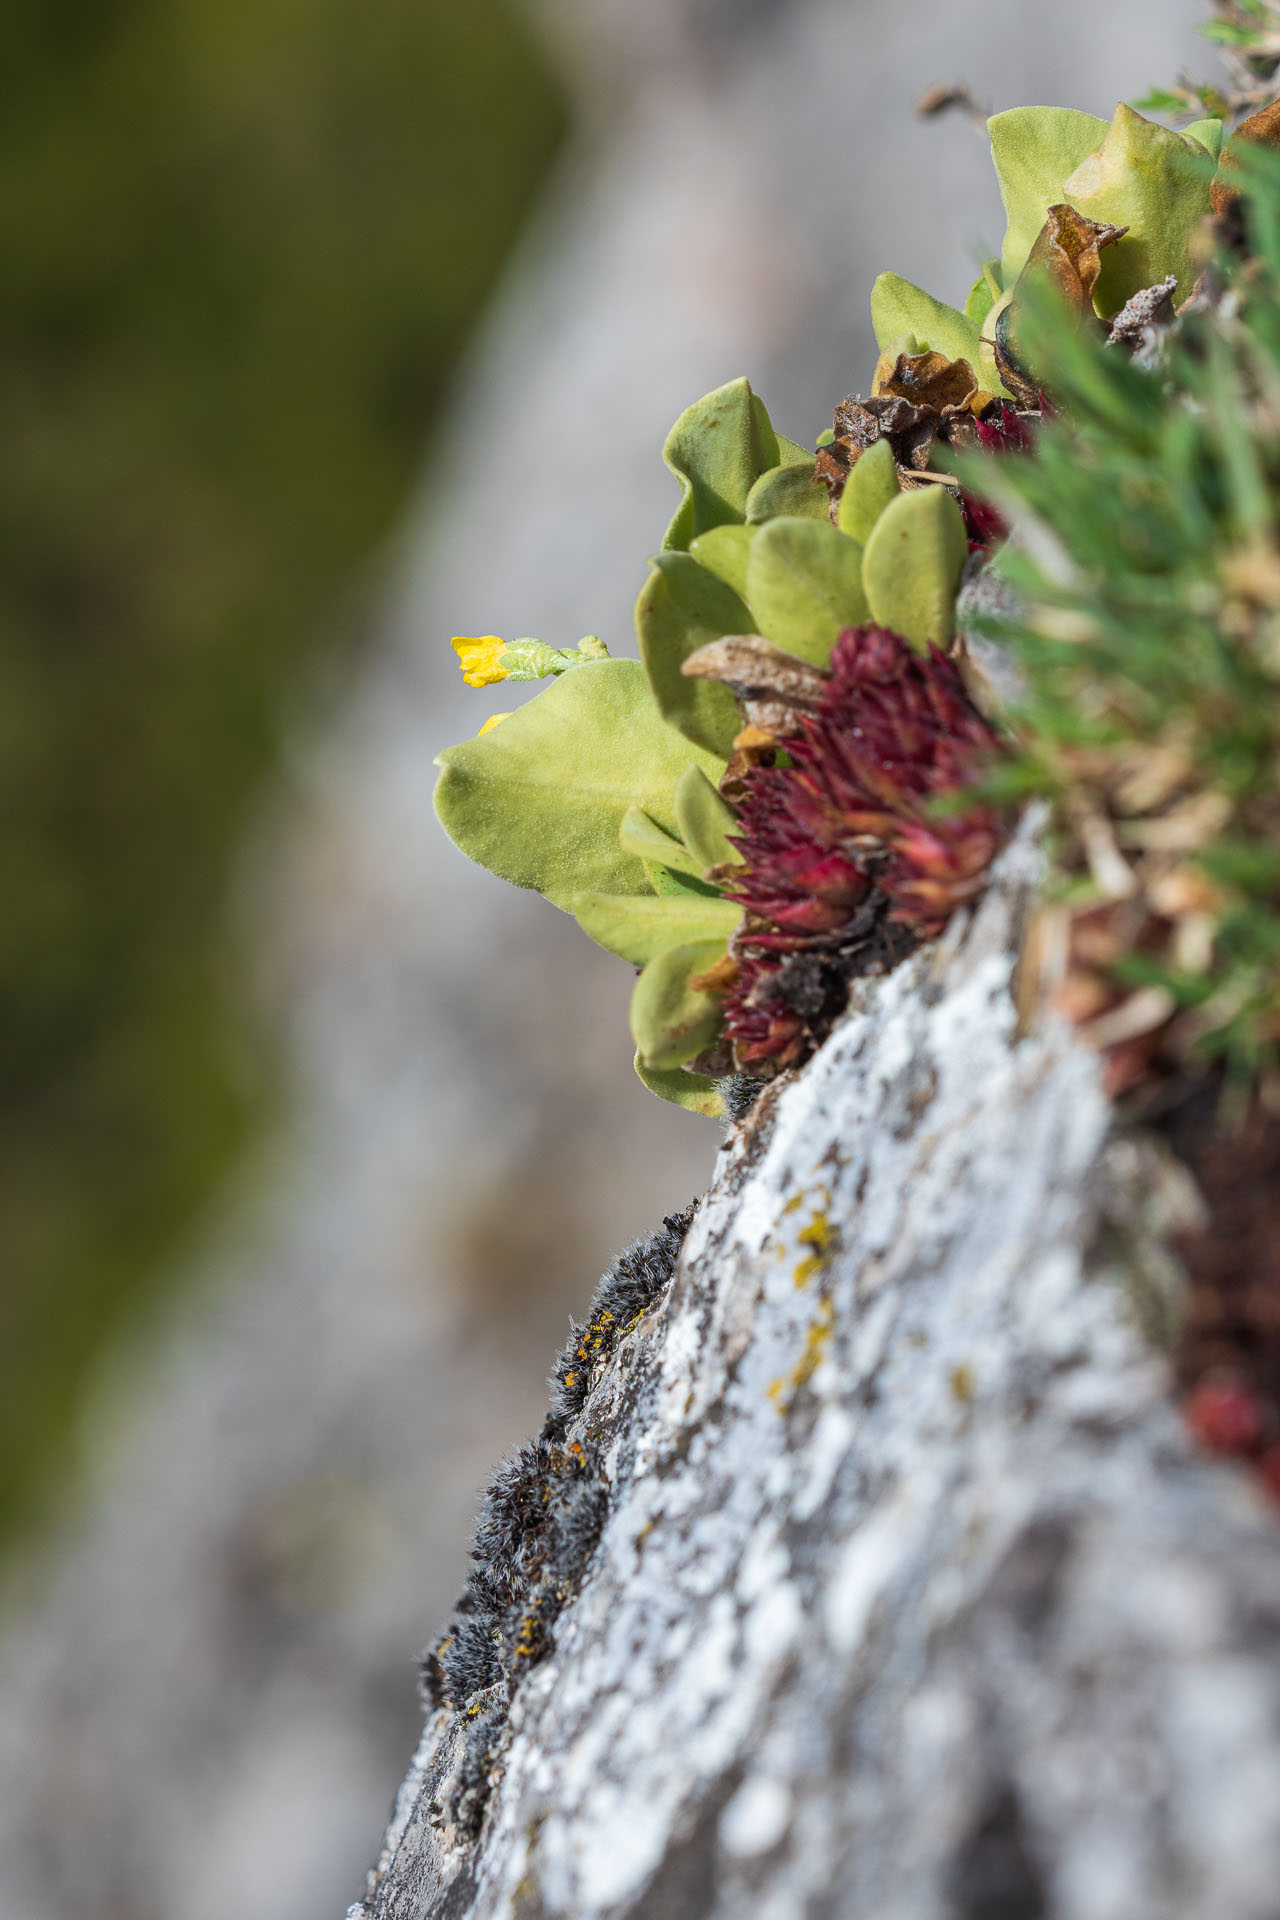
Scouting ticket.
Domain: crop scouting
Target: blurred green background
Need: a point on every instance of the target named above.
(240, 249)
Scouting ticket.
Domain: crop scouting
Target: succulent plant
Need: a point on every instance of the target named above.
(764, 803)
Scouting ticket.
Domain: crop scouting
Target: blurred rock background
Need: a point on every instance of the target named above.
(310, 1135)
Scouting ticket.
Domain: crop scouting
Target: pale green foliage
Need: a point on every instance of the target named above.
(602, 792)
(913, 562)
(705, 820)
(898, 308)
(1034, 149)
(540, 801)
(643, 837)
(1209, 134)
(638, 926)
(717, 450)
(726, 552)
(690, 1090)
(787, 490)
(984, 293)
(682, 606)
(672, 1020)
(868, 491)
(1155, 183)
(804, 584)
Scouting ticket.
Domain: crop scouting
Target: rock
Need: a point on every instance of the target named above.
(912, 1596)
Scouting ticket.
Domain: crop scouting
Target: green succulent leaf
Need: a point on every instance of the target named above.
(790, 451)
(671, 881)
(637, 927)
(913, 563)
(898, 307)
(682, 606)
(541, 799)
(871, 486)
(717, 450)
(691, 1090)
(672, 1020)
(1154, 182)
(706, 820)
(725, 552)
(1208, 133)
(1034, 149)
(643, 837)
(804, 585)
(979, 301)
(788, 490)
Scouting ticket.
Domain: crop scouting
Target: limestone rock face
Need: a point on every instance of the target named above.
(912, 1597)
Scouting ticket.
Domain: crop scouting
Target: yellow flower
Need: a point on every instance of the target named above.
(479, 659)
(492, 722)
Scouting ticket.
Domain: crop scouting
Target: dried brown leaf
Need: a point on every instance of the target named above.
(1261, 129)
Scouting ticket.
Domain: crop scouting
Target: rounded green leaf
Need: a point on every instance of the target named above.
(913, 563)
(673, 1021)
(541, 799)
(804, 586)
(979, 301)
(1034, 149)
(691, 1090)
(898, 307)
(638, 926)
(725, 551)
(682, 607)
(642, 836)
(984, 292)
(706, 820)
(1208, 133)
(871, 486)
(717, 449)
(790, 490)
(669, 880)
(1154, 182)
(790, 451)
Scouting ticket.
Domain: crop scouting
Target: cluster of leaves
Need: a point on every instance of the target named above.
(1150, 646)
(603, 792)
(629, 793)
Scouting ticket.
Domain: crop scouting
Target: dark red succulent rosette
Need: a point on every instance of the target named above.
(847, 859)
(1004, 430)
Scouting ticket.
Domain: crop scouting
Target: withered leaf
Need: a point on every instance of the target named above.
(775, 688)
(926, 379)
(1068, 255)
(754, 747)
(1261, 129)
(1068, 249)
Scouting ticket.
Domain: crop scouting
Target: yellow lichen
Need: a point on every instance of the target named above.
(783, 1391)
(821, 1236)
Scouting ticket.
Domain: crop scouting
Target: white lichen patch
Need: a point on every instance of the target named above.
(955, 1591)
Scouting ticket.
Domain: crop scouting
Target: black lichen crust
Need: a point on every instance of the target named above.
(627, 1291)
(541, 1515)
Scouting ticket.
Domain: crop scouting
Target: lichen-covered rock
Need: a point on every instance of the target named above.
(911, 1597)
